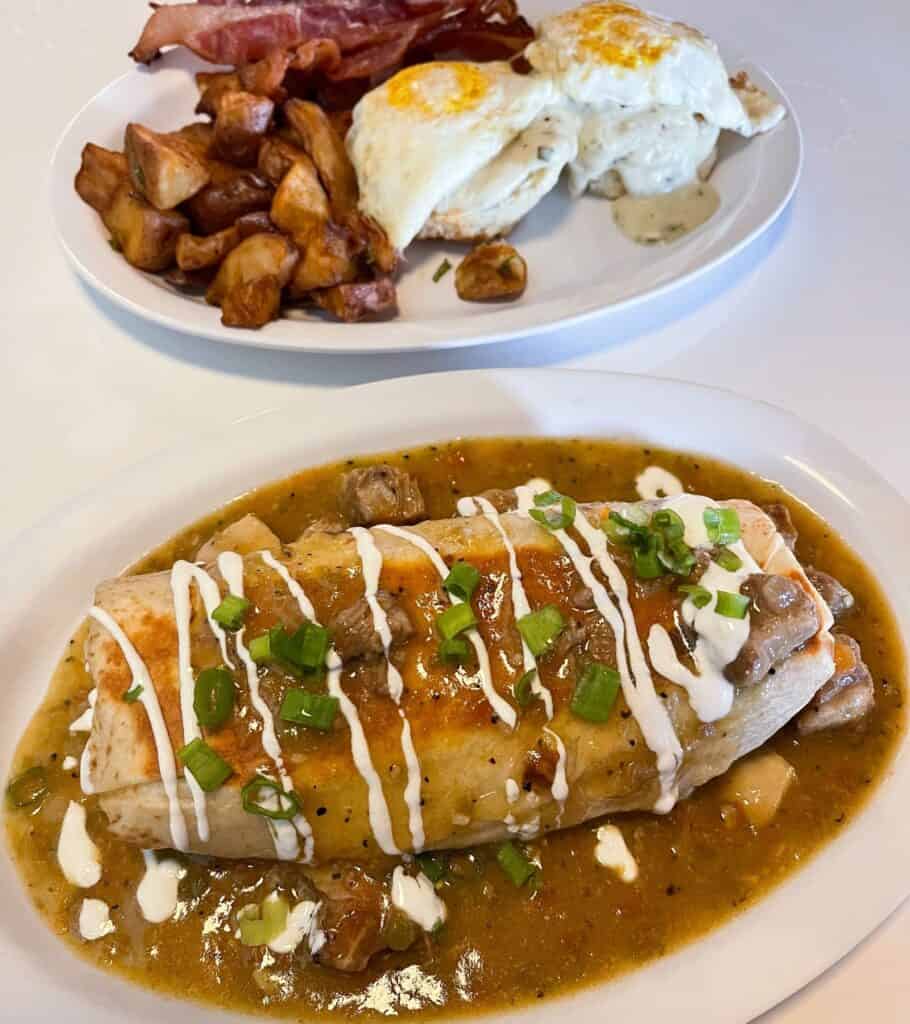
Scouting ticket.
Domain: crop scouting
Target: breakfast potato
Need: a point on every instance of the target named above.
(147, 237)
(328, 258)
(100, 175)
(300, 204)
(381, 254)
(254, 224)
(197, 253)
(311, 126)
(258, 256)
(353, 302)
(164, 168)
(252, 304)
(232, 193)
(212, 85)
(241, 123)
(492, 270)
(200, 137)
(276, 157)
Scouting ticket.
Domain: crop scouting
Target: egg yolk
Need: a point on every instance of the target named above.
(617, 33)
(443, 88)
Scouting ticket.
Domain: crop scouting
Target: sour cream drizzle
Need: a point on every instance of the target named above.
(157, 892)
(520, 603)
(656, 482)
(148, 697)
(416, 898)
(95, 920)
(380, 821)
(77, 855)
(560, 787)
(284, 833)
(182, 575)
(371, 566)
(611, 852)
(652, 717)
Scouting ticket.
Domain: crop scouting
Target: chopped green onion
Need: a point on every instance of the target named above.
(231, 612)
(722, 525)
(644, 558)
(455, 649)
(441, 271)
(462, 581)
(728, 560)
(732, 606)
(252, 799)
(541, 628)
(515, 864)
(259, 926)
(132, 695)
(455, 620)
(213, 697)
(676, 556)
(28, 789)
(523, 690)
(433, 866)
(595, 692)
(621, 530)
(665, 521)
(313, 646)
(699, 596)
(206, 767)
(260, 648)
(547, 517)
(313, 710)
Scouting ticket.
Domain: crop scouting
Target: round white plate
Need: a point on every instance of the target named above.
(579, 264)
(735, 973)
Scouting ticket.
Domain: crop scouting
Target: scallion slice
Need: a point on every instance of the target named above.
(206, 767)
(441, 271)
(541, 628)
(455, 620)
(728, 560)
(28, 789)
(133, 694)
(523, 690)
(668, 523)
(732, 606)
(312, 710)
(620, 530)
(312, 646)
(455, 650)
(722, 525)
(676, 556)
(260, 789)
(515, 864)
(699, 596)
(433, 865)
(213, 697)
(231, 612)
(462, 581)
(260, 648)
(547, 516)
(644, 557)
(595, 692)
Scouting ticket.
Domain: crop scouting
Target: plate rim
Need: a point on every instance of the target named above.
(818, 952)
(398, 335)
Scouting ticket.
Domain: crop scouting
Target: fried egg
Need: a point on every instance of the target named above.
(493, 200)
(417, 138)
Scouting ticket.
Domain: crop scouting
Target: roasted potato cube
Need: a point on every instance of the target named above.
(256, 257)
(317, 136)
(276, 157)
(232, 194)
(492, 270)
(300, 204)
(199, 136)
(328, 258)
(212, 85)
(197, 253)
(380, 252)
(352, 302)
(164, 168)
(146, 236)
(240, 126)
(254, 224)
(252, 304)
(101, 174)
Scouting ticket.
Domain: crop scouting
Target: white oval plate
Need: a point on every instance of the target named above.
(579, 264)
(735, 973)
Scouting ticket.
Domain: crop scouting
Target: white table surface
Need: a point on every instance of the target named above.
(813, 316)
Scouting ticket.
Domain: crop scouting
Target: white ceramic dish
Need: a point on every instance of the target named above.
(579, 263)
(731, 976)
